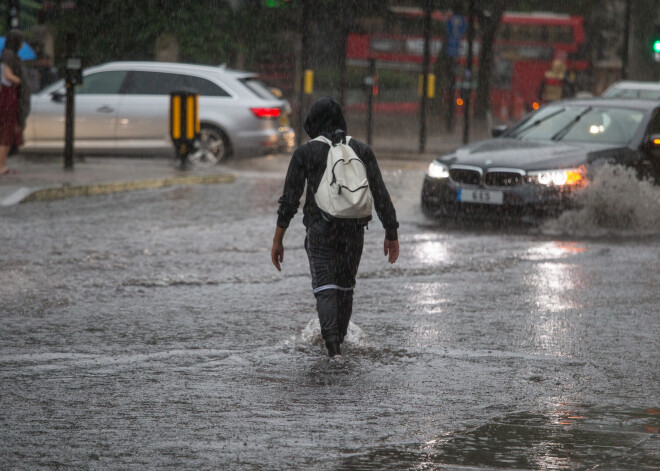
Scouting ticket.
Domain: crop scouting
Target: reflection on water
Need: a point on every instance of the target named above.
(552, 250)
(551, 284)
(554, 286)
(431, 300)
(559, 440)
(430, 251)
(554, 279)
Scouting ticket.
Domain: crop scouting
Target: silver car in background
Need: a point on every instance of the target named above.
(630, 89)
(123, 108)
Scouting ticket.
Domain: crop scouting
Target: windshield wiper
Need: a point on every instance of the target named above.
(563, 131)
(538, 121)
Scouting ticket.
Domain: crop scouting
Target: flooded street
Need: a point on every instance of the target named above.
(150, 329)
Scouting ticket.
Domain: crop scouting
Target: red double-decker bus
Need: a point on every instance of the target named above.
(526, 45)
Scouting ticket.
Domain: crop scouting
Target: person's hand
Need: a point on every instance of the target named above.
(391, 248)
(277, 254)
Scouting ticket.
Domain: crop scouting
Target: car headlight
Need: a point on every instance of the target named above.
(558, 177)
(438, 170)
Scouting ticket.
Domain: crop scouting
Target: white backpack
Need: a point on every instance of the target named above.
(344, 188)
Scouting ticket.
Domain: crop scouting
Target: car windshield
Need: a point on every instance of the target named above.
(258, 88)
(580, 124)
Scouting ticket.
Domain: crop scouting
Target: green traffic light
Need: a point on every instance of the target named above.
(656, 45)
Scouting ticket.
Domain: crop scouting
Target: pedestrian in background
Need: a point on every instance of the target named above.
(14, 98)
(558, 83)
(333, 245)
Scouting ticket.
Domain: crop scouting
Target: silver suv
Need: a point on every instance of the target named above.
(123, 107)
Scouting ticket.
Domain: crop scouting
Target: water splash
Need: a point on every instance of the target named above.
(311, 335)
(615, 203)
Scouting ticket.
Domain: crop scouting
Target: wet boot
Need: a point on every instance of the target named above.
(333, 349)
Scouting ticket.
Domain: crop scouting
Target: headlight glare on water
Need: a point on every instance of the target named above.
(561, 177)
(438, 170)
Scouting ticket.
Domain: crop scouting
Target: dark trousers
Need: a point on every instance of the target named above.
(334, 249)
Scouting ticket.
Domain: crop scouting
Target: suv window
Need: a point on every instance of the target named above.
(258, 88)
(102, 83)
(649, 94)
(154, 83)
(204, 87)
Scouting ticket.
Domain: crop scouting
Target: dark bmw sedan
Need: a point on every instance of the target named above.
(531, 170)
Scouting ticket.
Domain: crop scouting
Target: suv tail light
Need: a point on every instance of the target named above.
(266, 113)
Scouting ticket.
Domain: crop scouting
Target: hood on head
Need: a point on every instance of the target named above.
(325, 117)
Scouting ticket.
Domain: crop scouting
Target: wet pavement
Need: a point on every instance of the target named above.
(149, 329)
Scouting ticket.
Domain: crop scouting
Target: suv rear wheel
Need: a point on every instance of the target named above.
(212, 147)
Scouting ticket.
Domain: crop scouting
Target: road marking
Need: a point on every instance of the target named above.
(16, 197)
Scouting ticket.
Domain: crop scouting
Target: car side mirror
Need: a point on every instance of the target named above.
(58, 96)
(498, 130)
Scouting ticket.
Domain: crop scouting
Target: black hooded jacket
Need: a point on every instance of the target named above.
(309, 161)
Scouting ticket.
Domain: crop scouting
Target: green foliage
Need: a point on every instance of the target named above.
(328, 78)
(28, 16)
(128, 30)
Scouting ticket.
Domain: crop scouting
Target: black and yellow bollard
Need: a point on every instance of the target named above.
(184, 123)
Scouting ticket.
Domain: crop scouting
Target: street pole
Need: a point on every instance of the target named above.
(425, 74)
(626, 42)
(13, 14)
(304, 63)
(343, 84)
(70, 109)
(467, 91)
(370, 98)
(451, 92)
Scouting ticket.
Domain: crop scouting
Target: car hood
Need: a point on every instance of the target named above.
(530, 155)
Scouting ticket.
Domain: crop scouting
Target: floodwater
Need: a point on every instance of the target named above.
(150, 329)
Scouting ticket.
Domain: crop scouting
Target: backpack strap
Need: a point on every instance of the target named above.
(322, 138)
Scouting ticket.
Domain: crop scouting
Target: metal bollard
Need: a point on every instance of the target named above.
(184, 123)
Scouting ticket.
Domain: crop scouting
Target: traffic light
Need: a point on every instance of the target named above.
(656, 43)
(13, 14)
(278, 3)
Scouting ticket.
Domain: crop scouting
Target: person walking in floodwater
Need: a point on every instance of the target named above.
(333, 244)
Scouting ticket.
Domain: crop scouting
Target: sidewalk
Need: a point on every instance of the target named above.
(397, 136)
(44, 178)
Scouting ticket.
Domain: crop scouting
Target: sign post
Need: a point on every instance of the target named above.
(456, 27)
(370, 83)
(73, 77)
(425, 72)
(467, 78)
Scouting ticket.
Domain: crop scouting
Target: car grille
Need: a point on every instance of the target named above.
(500, 178)
(472, 176)
(465, 176)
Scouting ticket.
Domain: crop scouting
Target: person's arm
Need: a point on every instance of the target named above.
(11, 76)
(384, 207)
(294, 184)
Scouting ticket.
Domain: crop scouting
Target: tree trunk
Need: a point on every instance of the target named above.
(488, 24)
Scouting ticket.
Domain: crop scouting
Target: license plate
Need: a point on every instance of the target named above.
(480, 196)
